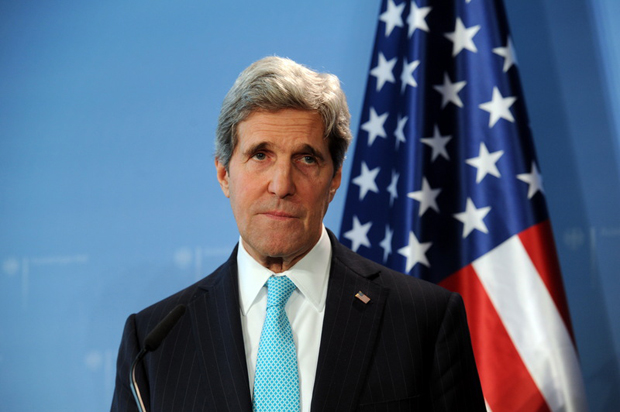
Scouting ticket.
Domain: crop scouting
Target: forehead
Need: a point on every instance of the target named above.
(284, 127)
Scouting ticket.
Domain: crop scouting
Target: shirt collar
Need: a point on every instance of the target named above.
(310, 274)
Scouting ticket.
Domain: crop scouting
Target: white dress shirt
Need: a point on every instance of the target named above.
(305, 309)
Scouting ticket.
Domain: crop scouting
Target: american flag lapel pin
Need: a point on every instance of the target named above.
(360, 295)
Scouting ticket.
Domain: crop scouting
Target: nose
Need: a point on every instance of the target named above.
(282, 184)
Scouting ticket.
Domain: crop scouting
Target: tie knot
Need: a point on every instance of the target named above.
(279, 289)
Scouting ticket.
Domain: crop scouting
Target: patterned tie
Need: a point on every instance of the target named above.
(276, 383)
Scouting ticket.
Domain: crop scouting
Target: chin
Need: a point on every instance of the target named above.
(282, 249)
(278, 242)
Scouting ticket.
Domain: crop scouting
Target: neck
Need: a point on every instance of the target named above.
(278, 264)
(280, 261)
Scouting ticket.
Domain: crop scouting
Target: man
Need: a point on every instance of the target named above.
(364, 338)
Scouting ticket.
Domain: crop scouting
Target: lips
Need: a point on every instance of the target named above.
(279, 214)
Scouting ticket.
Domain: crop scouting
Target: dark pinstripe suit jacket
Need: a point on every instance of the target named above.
(408, 349)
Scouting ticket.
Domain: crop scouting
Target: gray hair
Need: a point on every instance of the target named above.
(275, 83)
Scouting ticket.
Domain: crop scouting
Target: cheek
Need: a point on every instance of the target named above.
(235, 195)
(243, 196)
(237, 198)
(322, 201)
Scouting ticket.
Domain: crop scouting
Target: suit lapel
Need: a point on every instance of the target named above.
(349, 334)
(350, 329)
(217, 325)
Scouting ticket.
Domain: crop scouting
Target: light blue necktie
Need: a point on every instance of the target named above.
(276, 382)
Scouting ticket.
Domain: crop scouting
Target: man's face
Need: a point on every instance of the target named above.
(280, 180)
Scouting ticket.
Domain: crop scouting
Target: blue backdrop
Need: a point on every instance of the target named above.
(108, 195)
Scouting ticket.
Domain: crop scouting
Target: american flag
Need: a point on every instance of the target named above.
(445, 185)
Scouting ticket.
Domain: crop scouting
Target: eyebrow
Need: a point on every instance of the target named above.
(309, 149)
(305, 148)
(257, 148)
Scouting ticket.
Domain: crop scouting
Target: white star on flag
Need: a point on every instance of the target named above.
(499, 107)
(472, 218)
(450, 91)
(400, 130)
(485, 163)
(386, 243)
(437, 143)
(417, 18)
(383, 71)
(534, 179)
(406, 76)
(392, 17)
(415, 252)
(366, 180)
(358, 235)
(427, 197)
(374, 126)
(391, 189)
(508, 53)
(463, 37)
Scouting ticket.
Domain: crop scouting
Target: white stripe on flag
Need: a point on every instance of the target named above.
(534, 324)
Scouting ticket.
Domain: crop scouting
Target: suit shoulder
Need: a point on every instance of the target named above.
(389, 277)
(417, 287)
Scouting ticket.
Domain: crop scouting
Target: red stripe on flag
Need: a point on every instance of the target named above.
(539, 244)
(506, 382)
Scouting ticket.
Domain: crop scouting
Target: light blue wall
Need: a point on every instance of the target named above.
(108, 197)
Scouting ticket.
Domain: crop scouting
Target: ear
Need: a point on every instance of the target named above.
(335, 183)
(222, 177)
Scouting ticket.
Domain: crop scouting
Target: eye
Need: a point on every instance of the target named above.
(308, 159)
(260, 156)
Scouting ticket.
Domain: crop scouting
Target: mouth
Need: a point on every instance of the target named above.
(278, 215)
